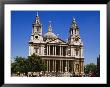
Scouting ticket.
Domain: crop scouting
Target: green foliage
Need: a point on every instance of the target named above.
(90, 68)
(18, 65)
(31, 64)
(35, 63)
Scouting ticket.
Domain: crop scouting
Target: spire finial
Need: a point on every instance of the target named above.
(50, 23)
(37, 18)
(49, 27)
(73, 19)
(37, 13)
(74, 22)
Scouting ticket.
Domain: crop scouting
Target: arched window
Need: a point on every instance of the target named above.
(45, 50)
(36, 50)
(77, 67)
(76, 52)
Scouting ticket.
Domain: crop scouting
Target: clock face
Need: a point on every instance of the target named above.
(36, 37)
(76, 39)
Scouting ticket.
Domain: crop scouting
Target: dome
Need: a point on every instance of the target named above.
(50, 35)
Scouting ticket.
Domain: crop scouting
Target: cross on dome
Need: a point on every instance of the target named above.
(50, 27)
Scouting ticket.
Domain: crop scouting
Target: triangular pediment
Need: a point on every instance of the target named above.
(59, 41)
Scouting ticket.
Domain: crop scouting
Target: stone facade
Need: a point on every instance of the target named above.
(55, 52)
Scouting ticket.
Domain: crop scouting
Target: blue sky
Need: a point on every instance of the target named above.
(88, 22)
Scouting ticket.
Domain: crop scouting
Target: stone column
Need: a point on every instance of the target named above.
(71, 51)
(60, 66)
(77, 32)
(47, 65)
(79, 66)
(49, 49)
(66, 51)
(72, 66)
(82, 53)
(55, 50)
(82, 67)
(39, 49)
(32, 49)
(60, 50)
(55, 65)
(68, 66)
(66, 63)
(71, 32)
(42, 50)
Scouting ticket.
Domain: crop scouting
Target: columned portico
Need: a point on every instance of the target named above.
(54, 65)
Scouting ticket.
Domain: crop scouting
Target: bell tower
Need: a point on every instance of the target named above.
(36, 37)
(76, 47)
(75, 41)
(73, 32)
(37, 26)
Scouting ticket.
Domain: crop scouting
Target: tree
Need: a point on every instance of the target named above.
(19, 65)
(90, 68)
(33, 63)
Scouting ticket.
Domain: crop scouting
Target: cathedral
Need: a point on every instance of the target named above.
(56, 53)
